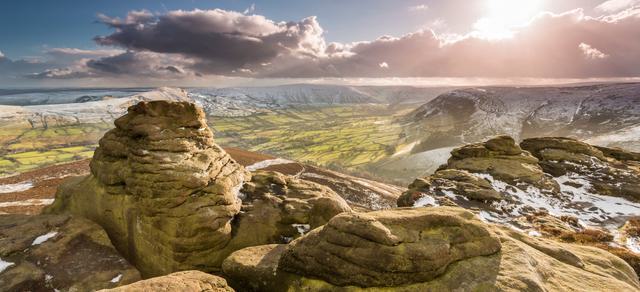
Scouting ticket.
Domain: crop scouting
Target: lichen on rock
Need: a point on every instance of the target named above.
(170, 198)
(184, 281)
(59, 252)
(425, 249)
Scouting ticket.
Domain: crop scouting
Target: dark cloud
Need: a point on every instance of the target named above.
(182, 44)
(225, 40)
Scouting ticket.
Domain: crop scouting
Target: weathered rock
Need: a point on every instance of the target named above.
(501, 158)
(162, 189)
(277, 208)
(47, 252)
(186, 281)
(254, 268)
(414, 250)
(448, 182)
(606, 171)
(389, 248)
(169, 197)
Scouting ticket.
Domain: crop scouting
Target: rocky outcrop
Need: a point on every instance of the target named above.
(389, 248)
(170, 198)
(161, 188)
(186, 281)
(278, 208)
(568, 190)
(446, 182)
(501, 158)
(601, 170)
(58, 252)
(469, 175)
(425, 249)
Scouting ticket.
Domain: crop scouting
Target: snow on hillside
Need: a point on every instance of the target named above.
(608, 111)
(87, 112)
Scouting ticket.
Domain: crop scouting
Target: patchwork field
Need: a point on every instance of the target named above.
(341, 137)
(24, 149)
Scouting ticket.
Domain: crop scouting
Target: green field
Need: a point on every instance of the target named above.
(25, 149)
(349, 137)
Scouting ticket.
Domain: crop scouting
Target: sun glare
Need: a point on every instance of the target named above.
(504, 15)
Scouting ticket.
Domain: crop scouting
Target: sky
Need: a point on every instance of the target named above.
(67, 43)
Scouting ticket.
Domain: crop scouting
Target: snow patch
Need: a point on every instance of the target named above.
(633, 244)
(4, 265)
(267, 163)
(29, 202)
(302, 228)
(42, 238)
(14, 188)
(534, 233)
(116, 279)
(425, 201)
(575, 200)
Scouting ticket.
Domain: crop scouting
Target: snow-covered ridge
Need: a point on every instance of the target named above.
(88, 112)
(608, 114)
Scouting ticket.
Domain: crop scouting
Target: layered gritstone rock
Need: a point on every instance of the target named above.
(565, 189)
(170, 198)
(58, 253)
(445, 183)
(186, 281)
(503, 159)
(278, 208)
(425, 249)
(578, 165)
(160, 186)
(389, 248)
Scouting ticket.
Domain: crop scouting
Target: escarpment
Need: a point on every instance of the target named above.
(169, 197)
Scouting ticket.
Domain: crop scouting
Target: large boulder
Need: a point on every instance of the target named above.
(501, 158)
(185, 281)
(170, 198)
(425, 249)
(444, 184)
(278, 208)
(161, 188)
(599, 170)
(58, 252)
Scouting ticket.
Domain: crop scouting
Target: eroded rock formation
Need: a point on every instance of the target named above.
(425, 249)
(170, 198)
(606, 171)
(186, 281)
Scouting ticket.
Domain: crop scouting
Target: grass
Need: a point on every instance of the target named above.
(24, 148)
(347, 137)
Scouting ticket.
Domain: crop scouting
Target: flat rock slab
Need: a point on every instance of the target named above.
(58, 252)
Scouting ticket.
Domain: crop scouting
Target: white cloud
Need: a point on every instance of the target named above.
(383, 65)
(591, 52)
(616, 5)
(1, 54)
(421, 7)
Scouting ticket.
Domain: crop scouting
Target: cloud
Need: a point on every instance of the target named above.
(591, 52)
(616, 5)
(225, 40)
(184, 44)
(80, 53)
(421, 7)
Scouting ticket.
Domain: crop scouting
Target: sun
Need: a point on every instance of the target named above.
(504, 15)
